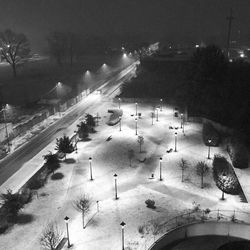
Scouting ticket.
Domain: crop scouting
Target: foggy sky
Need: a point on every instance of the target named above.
(174, 20)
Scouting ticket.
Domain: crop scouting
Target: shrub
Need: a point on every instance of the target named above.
(38, 180)
(210, 133)
(238, 154)
(11, 204)
(4, 224)
(57, 176)
(26, 195)
(150, 203)
(224, 176)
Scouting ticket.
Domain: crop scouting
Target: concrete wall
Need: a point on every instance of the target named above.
(201, 229)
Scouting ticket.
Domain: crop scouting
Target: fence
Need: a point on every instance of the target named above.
(160, 230)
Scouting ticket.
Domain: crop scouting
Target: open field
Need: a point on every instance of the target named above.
(38, 77)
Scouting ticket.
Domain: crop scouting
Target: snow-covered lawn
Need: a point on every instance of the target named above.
(172, 197)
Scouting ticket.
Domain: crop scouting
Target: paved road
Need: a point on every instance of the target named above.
(15, 161)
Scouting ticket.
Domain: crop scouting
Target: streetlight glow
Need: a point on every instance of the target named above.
(209, 144)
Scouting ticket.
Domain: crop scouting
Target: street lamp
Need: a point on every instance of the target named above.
(161, 104)
(224, 177)
(59, 84)
(119, 102)
(152, 116)
(136, 108)
(181, 120)
(120, 122)
(6, 127)
(123, 224)
(90, 168)
(115, 177)
(66, 219)
(136, 126)
(160, 168)
(209, 143)
(157, 109)
(175, 142)
(75, 140)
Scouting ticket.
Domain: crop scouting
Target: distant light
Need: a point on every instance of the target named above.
(104, 65)
(242, 55)
(230, 60)
(197, 46)
(8, 45)
(59, 84)
(124, 55)
(87, 71)
(130, 54)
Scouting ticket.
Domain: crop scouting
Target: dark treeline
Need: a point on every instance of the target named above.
(207, 84)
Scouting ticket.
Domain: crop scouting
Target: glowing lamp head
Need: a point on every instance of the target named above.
(175, 134)
(59, 84)
(161, 100)
(224, 176)
(123, 224)
(160, 159)
(90, 159)
(124, 55)
(209, 141)
(136, 119)
(66, 219)
(115, 176)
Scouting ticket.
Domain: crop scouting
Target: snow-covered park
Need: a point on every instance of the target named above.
(138, 179)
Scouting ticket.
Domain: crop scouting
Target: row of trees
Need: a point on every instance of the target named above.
(63, 47)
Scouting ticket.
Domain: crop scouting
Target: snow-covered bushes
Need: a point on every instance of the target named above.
(224, 176)
(238, 154)
(115, 116)
(150, 203)
(210, 133)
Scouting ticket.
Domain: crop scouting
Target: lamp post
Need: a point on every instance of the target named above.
(75, 141)
(157, 109)
(160, 168)
(123, 225)
(136, 126)
(152, 116)
(161, 104)
(181, 120)
(119, 102)
(208, 153)
(66, 219)
(115, 177)
(90, 168)
(6, 127)
(175, 142)
(136, 108)
(57, 86)
(120, 123)
(224, 177)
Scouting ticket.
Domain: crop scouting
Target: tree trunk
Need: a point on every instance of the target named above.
(14, 69)
(182, 175)
(202, 180)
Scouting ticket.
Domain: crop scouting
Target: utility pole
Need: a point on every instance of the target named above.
(230, 19)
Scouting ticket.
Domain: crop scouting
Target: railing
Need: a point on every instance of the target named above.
(153, 231)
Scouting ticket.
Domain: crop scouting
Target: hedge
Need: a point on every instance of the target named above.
(222, 167)
(238, 153)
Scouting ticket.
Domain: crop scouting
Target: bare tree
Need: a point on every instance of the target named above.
(140, 140)
(183, 164)
(51, 236)
(82, 204)
(131, 154)
(15, 48)
(202, 170)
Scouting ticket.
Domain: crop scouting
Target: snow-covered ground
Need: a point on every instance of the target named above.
(172, 197)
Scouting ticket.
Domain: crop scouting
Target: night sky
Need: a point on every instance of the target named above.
(173, 20)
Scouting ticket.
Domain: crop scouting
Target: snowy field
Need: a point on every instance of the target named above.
(135, 185)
